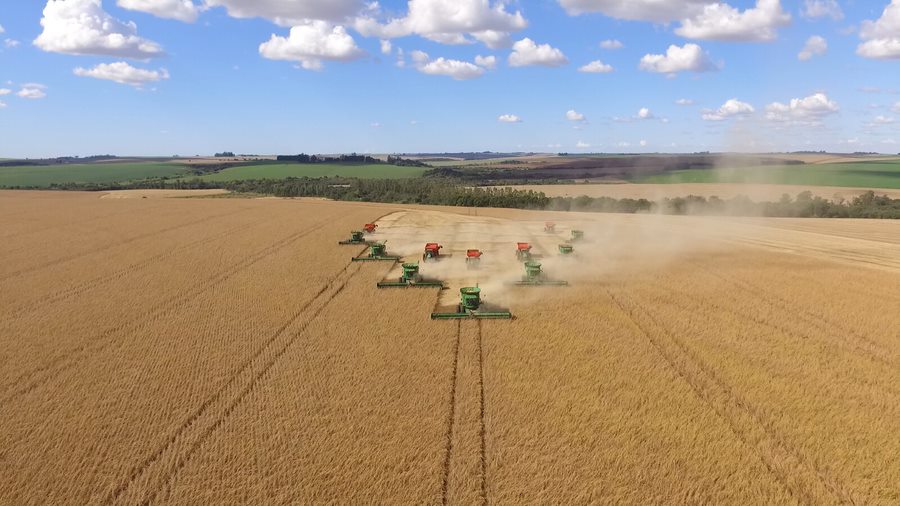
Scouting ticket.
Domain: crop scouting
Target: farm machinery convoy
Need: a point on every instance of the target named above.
(471, 304)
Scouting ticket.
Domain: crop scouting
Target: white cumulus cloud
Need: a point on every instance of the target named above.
(32, 91)
(573, 115)
(509, 118)
(450, 22)
(11, 43)
(815, 46)
(596, 67)
(488, 62)
(611, 44)
(700, 19)
(896, 107)
(82, 27)
(689, 57)
(582, 145)
(823, 8)
(310, 44)
(5, 91)
(386, 46)
(644, 113)
(882, 36)
(527, 53)
(810, 110)
(684, 101)
(457, 69)
(720, 21)
(182, 10)
(732, 108)
(290, 12)
(123, 73)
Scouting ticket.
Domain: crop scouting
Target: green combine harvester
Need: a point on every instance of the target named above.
(566, 249)
(577, 235)
(377, 253)
(411, 277)
(356, 237)
(534, 276)
(470, 307)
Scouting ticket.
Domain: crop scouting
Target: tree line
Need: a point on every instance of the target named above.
(351, 158)
(447, 193)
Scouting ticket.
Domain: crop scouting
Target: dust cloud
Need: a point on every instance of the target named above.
(614, 245)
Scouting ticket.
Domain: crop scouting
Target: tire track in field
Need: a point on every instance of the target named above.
(804, 481)
(147, 480)
(481, 429)
(33, 379)
(94, 251)
(72, 291)
(866, 346)
(799, 335)
(451, 417)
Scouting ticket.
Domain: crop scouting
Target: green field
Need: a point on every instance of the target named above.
(44, 175)
(884, 174)
(281, 171)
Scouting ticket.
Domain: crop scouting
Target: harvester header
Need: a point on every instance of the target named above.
(470, 307)
(534, 276)
(411, 277)
(377, 251)
(356, 237)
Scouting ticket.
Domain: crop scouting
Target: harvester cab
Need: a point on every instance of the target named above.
(377, 251)
(577, 235)
(356, 237)
(432, 251)
(523, 251)
(411, 277)
(534, 276)
(473, 258)
(550, 227)
(470, 307)
(369, 228)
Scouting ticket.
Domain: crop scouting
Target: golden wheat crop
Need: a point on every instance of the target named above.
(227, 351)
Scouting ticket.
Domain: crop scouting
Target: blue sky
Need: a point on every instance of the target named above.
(90, 82)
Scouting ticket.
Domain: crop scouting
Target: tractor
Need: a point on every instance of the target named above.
(473, 258)
(432, 252)
(523, 251)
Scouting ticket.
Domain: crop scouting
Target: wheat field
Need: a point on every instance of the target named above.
(211, 351)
